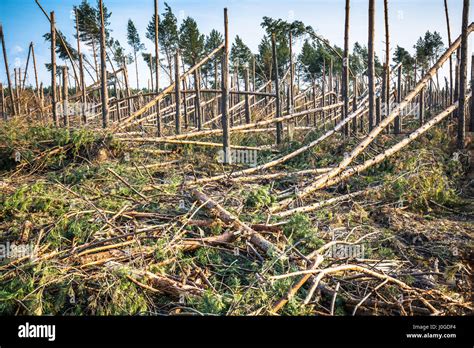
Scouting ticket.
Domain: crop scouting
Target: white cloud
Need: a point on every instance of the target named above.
(17, 62)
(17, 49)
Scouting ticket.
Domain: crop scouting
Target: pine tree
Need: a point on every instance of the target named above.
(133, 39)
(191, 42)
(168, 36)
(240, 56)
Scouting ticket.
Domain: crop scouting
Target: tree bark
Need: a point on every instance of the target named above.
(345, 69)
(7, 70)
(225, 93)
(65, 97)
(371, 64)
(177, 85)
(157, 72)
(463, 76)
(103, 70)
(279, 125)
(53, 69)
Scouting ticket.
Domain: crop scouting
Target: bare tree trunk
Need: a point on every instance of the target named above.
(197, 100)
(471, 123)
(371, 64)
(7, 70)
(247, 98)
(38, 92)
(387, 59)
(450, 58)
(279, 125)
(65, 98)
(422, 106)
(157, 72)
(398, 121)
(22, 86)
(136, 68)
(291, 95)
(103, 70)
(177, 95)
(81, 73)
(2, 101)
(345, 68)
(463, 76)
(96, 64)
(127, 89)
(225, 93)
(53, 69)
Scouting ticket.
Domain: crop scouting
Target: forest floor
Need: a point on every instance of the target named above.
(115, 228)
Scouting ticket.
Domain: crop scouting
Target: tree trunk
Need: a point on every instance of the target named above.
(345, 69)
(177, 95)
(65, 97)
(463, 76)
(371, 64)
(279, 125)
(451, 96)
(157, 71)
(225, 93)
(7, 70)
(136, 69)
(103, 70)
(53, 69)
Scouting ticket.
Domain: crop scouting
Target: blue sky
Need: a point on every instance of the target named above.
(24, 22)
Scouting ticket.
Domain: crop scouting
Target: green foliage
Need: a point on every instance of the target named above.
(259, 198)
(133, 38)
(241, 56)
(428, 49)
(300, 228)
(32, 198)
(191, 42)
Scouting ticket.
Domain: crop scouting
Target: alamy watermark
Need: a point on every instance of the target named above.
(346, 251)
(10, 251)
(240, 156)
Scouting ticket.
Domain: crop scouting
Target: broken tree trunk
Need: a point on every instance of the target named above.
(371, 64)
(2, 101)
(177, 85)
(345, 71)
(463, 76)
(7, 70)
(247, 98)
(387, 59)
(157, 72)
(450, 94)
(53, 69)
(322, 182)
(279, 125)
(471, 123)
(81, 73)
(398, 121)
(394, 149)
(65, 98)
(103, 70)
(242, 229)
(227, 158)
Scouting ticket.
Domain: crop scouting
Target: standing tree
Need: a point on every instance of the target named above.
(213, 40)
(88, 20)
(168, 36)
(133, 40)
(240, 56)
(191, 42)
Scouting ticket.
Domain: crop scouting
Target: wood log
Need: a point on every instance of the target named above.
(229, 218)
(321, 182)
